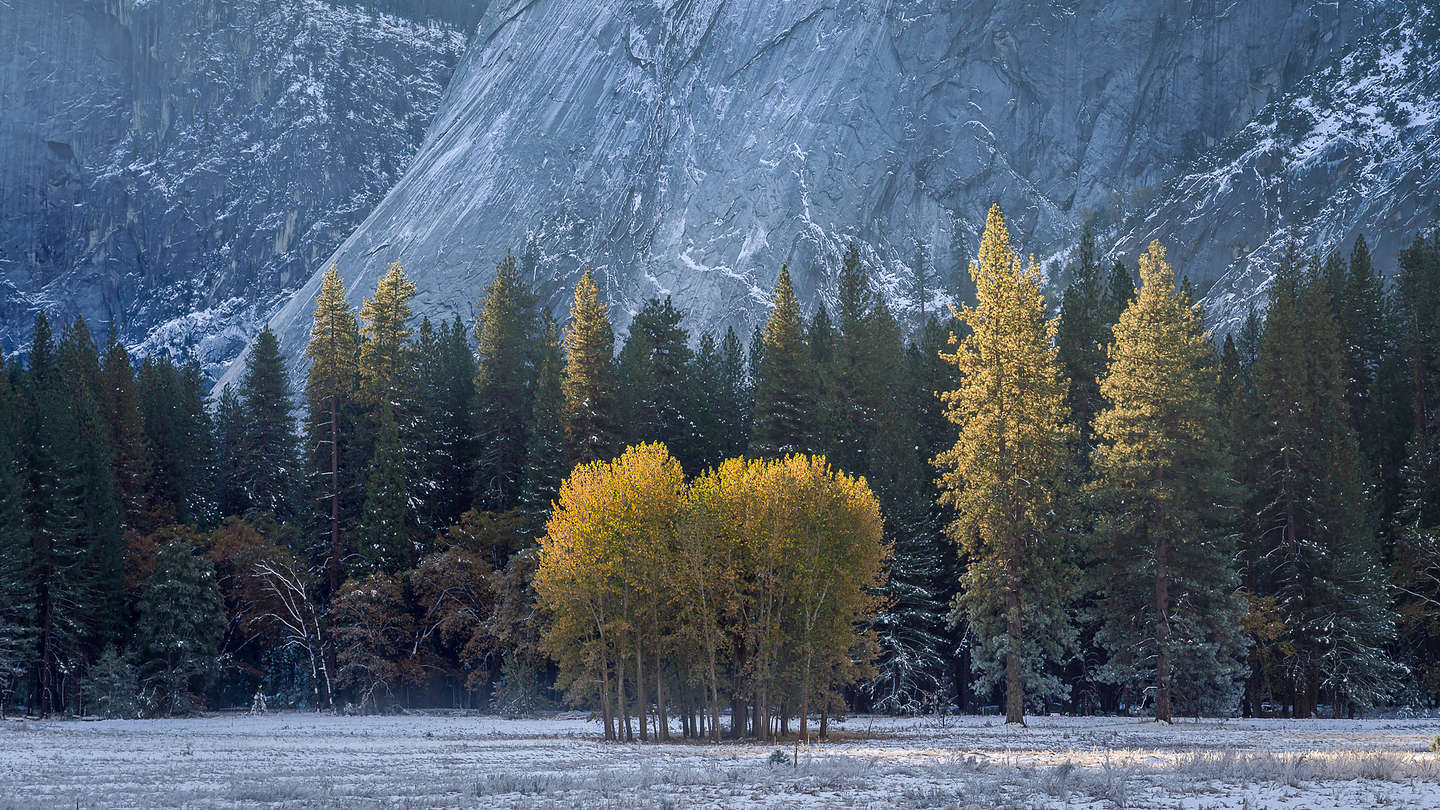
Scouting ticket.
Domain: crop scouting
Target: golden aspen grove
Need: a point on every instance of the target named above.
(749, 581)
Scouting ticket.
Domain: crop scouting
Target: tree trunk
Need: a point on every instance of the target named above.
(805, 700)
(1162, 633)
(1014, 685)
(738, 709)
(662, 711)
(642, 706)
(824, 718)
(622, 710)
(337, 552)
(605, 697)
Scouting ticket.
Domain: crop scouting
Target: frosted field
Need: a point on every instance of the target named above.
(307, 760)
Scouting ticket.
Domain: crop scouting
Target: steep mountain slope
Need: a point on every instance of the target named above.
(174, 167)
(690, 148)
(1354, 148)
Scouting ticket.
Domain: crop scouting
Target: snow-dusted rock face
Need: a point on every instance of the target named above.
(1353, 148)
(689, 148)
(176, 167)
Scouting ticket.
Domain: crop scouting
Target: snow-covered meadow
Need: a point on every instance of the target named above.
(308, 760)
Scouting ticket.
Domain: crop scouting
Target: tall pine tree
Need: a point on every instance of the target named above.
(330, 393)
(1315, 544)
(592, 421)
(266, 453)
(1004, 476)
(505, 334)
(785, 401)
(1164, 551)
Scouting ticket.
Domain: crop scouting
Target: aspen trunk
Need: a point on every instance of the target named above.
(642, 706)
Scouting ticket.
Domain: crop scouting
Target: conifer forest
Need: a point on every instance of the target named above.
(1074, 497)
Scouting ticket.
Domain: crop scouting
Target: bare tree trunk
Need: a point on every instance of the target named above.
(1162, 633)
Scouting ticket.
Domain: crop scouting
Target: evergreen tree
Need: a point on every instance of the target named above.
(1358, 299)
(1315, 545)
(266, 453)
(866, 357)
(827, 416)
(330, 394)
(17, 631)
(84, 456)
(736, 403)
(1119, 292)
(1084, 334)
(592, 430)
(657, 394)
(443, 438)
(1004, 474)
(545, 455)
(1164, 552)
(785, 401)
(386, 543)
(230, 493)
(505, 335)
(708, 390)
(181, 617)
(384, 351)
(120, 402)
(1410, 387)
(71, 517)
(180, 440)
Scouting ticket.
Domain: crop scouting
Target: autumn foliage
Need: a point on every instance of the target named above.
(750, 583)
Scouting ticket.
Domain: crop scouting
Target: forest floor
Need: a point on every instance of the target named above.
(436, 760)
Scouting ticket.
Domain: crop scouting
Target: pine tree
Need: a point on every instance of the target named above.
(17, 630)
(736, 404)
(505, 335)
(723, 406)
(181, 617)
(1164, 552)
(266, 454)
(386, 543)
(592, 430)
(1119, 292)
(785, 399)
(120, 402)
(654, 368)
(708, 390)
(859, 381)
(545, 454)
(180, 440)
(1083, 336)
(331, 389)
(1315, 546)
(85, 458)
(72, 515)
(1004, 474)
(384, 351)
(1410, 389)
(230, 494)
(442, 439)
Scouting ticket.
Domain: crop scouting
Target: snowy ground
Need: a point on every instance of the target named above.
(307, 760)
